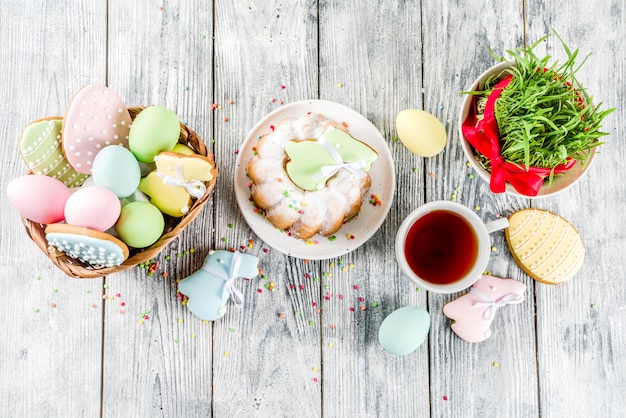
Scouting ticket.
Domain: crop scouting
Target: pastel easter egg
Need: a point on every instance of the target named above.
(116, 169)
(92, 207)
(546, 246)
(41, 148)
(95, 117)
(140, 224)
(404, 330)
(39, 198)
(183, 149)
(154, 130)
(422, 133)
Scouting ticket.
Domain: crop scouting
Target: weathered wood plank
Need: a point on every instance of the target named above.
(157, 355)
(370, 61)
(263, 364)
(464, 380)
(50, 350)
(580, 324)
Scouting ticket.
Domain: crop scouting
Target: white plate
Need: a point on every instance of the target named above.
(359, 229)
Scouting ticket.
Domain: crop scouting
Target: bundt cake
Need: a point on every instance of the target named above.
(309, 175)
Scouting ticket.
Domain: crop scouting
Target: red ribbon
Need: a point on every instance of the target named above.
(483, 135)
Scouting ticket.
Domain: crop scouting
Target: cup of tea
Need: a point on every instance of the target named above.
(444, 247)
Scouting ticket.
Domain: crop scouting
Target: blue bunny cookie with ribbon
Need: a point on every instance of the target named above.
(209, 288)
(313, 161)
(177, 179)
(474, 312)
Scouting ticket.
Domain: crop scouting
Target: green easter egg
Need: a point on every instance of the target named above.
(183, 149)
(404, 330)
(140, 224)
(154, 130)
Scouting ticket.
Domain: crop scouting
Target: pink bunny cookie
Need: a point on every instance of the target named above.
(474, 312)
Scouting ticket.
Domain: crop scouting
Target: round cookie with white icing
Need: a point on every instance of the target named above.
(89, 246)
(42, 150)
(95, 117)
(309, 175)
(546, 246)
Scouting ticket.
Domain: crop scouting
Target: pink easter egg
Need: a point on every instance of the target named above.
(39, 198)
(93, 207)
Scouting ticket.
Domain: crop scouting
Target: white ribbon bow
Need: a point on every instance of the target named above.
(196, 188)
(493, 305)
(355, 167)
(229, 278)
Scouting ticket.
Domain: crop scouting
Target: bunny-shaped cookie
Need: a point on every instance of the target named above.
(209, 288)
(473, 312)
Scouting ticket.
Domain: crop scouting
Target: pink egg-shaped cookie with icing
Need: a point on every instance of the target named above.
(95, 117)
(93, 207)
(39, 198)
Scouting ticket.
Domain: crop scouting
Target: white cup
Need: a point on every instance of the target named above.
(476, 266)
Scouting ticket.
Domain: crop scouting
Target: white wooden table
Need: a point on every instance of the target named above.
(124, 345)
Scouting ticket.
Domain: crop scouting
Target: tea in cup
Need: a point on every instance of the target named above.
(444, 247)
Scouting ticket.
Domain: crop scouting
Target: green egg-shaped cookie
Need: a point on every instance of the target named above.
(41, 148)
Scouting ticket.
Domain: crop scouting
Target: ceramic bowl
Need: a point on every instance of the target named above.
(559, 183)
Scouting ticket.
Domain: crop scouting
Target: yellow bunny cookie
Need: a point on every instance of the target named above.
(178, 179)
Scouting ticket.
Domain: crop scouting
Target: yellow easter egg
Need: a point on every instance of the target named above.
(422, 133)
(546, 246)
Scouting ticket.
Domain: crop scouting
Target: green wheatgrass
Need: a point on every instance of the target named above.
(544, 115)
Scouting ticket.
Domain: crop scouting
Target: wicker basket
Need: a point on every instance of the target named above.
(173, 226)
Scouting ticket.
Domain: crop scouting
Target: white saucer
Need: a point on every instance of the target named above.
(351, 235)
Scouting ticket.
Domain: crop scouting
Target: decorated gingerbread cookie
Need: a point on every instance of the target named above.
(312, 162)
(474, 312)
(41, 148)
(95, 117)
(209, 288)
(544, 245)
(177, 180)
(95, 248)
